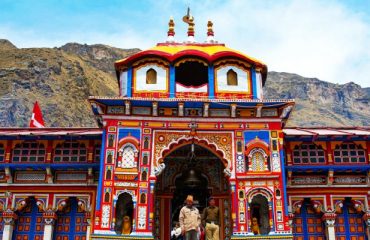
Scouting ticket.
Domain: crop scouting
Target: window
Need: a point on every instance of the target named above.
(106, 197)
(145, 159)
(258, 160)
(232, 78)
(146, 142)
(108, 175)
(97, 149)
(128, 157)
(110, 157)
(143, 198)
(349, 153)
(29, 152)
(239, 146)
(111, 140)
(70, 152)
(308, 153)
(151, 76)
(2, 153)
(144, 176)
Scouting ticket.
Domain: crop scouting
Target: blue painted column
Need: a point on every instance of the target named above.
(282, 163)
(254, 83)
(101, 173)
(129, 82)
(172, 81)
(211, 82)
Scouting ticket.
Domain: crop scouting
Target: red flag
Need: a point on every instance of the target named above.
(36, 119)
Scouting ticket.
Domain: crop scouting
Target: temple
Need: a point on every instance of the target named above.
(190, 119)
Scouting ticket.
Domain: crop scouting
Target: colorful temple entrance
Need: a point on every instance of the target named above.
(190, 169)
(190, 119)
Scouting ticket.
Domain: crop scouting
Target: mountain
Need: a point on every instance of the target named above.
(61, 80)
(320, 103)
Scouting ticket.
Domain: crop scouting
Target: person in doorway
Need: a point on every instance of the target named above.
(210, 219)
(189, 220)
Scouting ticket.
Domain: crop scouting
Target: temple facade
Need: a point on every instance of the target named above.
(190, 119)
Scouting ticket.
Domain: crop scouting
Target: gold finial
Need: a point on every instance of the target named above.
(171, 28)
(191, 26)
(186, 17)
(189, 19)
(210, 28)
(210, 33)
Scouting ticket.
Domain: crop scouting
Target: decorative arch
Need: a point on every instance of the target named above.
(201, 141)
(128, 153)
(259, 191)
(256, 143)
(61, 201)
(129, 139)
(259, 203)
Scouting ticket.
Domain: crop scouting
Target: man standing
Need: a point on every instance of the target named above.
(189, 220)
(210, 219)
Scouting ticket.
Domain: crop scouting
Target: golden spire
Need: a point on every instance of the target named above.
(191, 27)
(210, 33)
(171, 30)
(189, 19)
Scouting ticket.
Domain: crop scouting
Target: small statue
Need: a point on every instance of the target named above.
(255, 227)
(126, 225)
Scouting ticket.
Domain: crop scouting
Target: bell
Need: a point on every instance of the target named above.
(192, 178)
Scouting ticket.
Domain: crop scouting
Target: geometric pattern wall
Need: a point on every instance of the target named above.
(349, 224)
(30, 224)
(71, 223)
(308, 225)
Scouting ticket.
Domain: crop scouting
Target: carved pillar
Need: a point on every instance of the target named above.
(88, 228)
(49, 218)
(291, 220)
(8, 217)
(329, 219)
(366, 218)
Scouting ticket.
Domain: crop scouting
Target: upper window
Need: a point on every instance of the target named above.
(258, 160)
(151, 76)
(70, 152)
(232, 78)
(191, 74)
(29, 152)
(2, 153)
(127, 157)
(349, 153)
(308, 153)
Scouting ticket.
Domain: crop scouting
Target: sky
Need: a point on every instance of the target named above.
(325, 39)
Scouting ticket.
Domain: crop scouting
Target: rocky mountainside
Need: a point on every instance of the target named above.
(61, 79)
(320, 103)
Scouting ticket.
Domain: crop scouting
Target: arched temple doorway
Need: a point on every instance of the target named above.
(260, 210)
(124, 214)
(190, 169)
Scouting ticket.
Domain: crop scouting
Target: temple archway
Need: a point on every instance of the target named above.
(124, 214)
(259, 209)
(196, 170)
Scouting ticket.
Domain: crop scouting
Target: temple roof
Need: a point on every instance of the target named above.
(209, 52)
